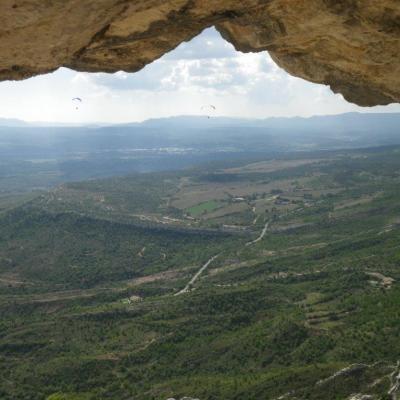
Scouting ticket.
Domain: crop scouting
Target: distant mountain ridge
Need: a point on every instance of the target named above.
(13, 122)
(345, 120)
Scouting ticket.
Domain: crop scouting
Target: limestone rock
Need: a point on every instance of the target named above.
(351, 45)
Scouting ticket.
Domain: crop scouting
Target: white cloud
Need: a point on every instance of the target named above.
(203, 71)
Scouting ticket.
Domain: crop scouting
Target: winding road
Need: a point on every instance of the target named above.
(263, 232)
(206, 265)
(196, 276)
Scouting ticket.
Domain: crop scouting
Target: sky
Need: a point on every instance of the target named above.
(206, 70)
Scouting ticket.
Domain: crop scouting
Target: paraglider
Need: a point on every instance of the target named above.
(209, 109)
(76, 101)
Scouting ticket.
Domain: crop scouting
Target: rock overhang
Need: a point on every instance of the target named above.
(351, 45)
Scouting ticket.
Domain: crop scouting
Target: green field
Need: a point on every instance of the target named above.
(203, 208)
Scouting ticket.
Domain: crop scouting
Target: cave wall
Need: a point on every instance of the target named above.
(351, 45)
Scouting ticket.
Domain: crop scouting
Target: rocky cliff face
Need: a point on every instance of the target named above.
(351, 45)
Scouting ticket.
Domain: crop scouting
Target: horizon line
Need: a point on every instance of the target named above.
(105, 123)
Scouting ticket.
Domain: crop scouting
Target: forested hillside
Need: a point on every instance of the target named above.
(270, 279)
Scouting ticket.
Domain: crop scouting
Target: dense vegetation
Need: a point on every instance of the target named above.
(90, 271)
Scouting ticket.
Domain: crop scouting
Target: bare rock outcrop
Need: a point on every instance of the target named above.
(351, 45)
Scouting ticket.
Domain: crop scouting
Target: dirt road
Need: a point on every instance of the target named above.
(263, 232)
(196, 276)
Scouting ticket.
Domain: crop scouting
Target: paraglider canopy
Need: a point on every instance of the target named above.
(209, 109)
(76, 101)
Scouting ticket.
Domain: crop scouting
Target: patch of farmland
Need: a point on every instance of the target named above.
(203, 208)
(192, 195)
(271, 166)
(228, 210)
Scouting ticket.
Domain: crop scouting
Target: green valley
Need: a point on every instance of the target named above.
(92, 272)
